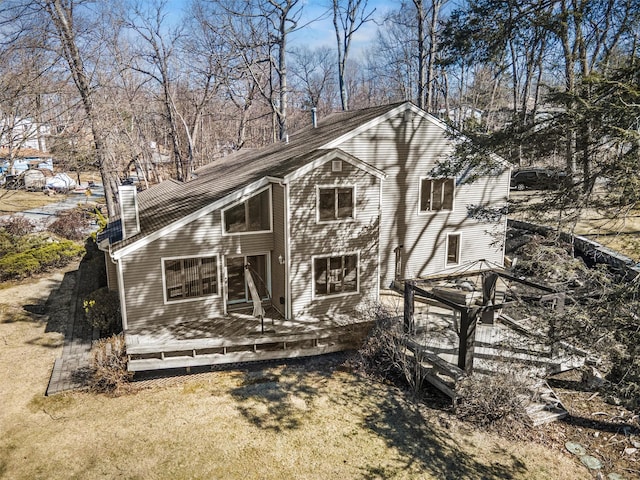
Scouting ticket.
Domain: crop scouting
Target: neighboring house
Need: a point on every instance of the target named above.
(318, 227)
(24, 159)
(23, 133)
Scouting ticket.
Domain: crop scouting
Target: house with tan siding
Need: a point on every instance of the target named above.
(272, 253)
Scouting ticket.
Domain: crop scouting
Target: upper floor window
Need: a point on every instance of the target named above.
(190, 277)
(335, 203)
(252, 215)
(436, 194)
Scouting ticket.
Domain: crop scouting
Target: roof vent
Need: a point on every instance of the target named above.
(314, 117)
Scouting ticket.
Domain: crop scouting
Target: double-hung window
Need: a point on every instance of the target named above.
(335, 275)
(335, 203)
(436, 194)
(187, 278)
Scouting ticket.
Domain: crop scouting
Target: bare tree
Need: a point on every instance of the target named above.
(155, 58)
(314, 71)
(263, 27)
(65, 33)
(21, 91)
(348, 17)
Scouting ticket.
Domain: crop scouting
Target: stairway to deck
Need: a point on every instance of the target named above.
(544, 406)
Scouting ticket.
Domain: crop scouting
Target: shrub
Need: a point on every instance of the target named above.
(73, 224)
(38, 258)
(109, 365)
(377, 353)
(384, 353)
(102, 310)
(18, 226)
(496, 401)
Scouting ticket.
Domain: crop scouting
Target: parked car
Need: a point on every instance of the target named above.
(537, 179)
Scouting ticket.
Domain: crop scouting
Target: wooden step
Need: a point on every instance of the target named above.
(546, 415)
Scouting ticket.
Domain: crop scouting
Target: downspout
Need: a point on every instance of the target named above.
(379, 231)
(123, 306)
(123, 303)
(506, 219)
(287, 253)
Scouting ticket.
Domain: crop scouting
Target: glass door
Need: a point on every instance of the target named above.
(237, 287)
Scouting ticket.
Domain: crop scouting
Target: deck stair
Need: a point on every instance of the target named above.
(543, 405)
(438, 372)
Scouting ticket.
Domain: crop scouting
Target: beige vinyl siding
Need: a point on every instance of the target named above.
(407, 152)
(278, 269)
(310, 238)
(112, 273)
(142, 271)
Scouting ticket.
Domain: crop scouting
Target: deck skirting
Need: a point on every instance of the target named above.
(217, 351)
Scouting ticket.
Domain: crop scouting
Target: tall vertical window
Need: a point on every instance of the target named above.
(453, 249)
(436, 194)
(335, 203)
(190, 277)
(252, 215)
(335, 275)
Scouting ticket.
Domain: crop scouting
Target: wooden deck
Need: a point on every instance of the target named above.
(505, 344)
(240, 337)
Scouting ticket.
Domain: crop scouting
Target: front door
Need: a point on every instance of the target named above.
(237, 287)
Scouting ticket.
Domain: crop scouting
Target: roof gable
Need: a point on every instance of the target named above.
(171, 204)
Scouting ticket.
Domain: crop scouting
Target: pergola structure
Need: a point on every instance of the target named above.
(476, 292)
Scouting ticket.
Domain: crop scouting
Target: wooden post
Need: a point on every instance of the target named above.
(468, 320)
(409, 295)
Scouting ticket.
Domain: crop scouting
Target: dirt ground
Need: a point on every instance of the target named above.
(302, 420)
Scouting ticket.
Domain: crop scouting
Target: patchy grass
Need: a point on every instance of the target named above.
(310, 420)
(619, 234)
(12, 201)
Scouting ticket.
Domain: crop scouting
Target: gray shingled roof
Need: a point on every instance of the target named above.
(169, 201)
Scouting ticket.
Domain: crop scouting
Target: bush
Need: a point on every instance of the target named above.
(384, 353)
(377, 353)
(109, 365)
(38, 258)
(18, 226)
(102, 310)
(73, 224)
(496, 401)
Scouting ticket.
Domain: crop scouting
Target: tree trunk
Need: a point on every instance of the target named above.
(61, 16)
(421, 56)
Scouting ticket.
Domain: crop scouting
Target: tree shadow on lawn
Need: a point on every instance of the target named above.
(278, 400)
(423, 447)
(59, 306)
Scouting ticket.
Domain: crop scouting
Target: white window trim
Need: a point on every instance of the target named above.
(193, 299)
(442, 210)
(339, 220)
(334, 295)
(458, 253)
(244, 200)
